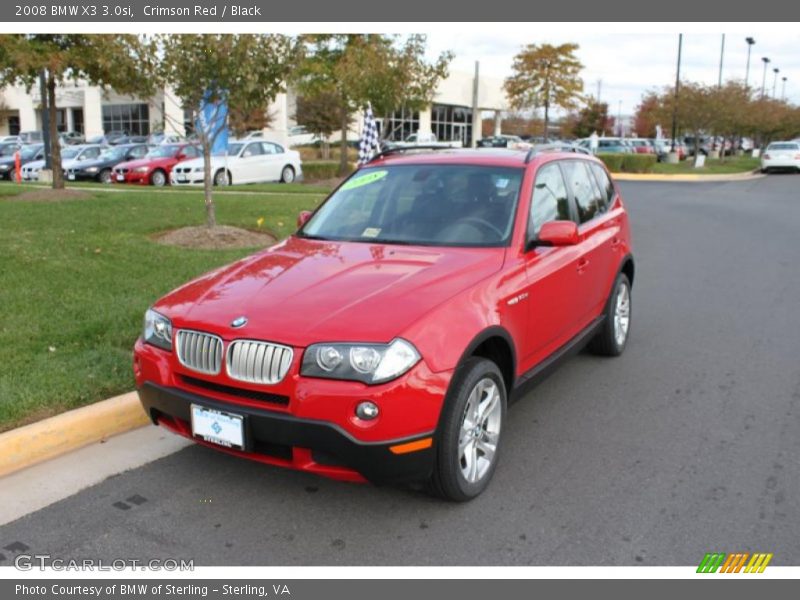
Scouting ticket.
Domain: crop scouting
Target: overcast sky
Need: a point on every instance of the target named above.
(630, 63)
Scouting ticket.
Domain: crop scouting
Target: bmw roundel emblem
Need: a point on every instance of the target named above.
(239, 322)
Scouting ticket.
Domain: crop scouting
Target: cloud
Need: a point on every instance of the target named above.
(630, 64)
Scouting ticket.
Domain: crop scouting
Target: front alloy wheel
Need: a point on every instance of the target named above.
(613, 334)
(469, 431)
(158, 178)
(105, 176)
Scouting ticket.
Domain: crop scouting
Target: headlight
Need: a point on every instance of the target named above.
(198, 169)
(157, 330)
(141, 169)
(5, 167)
(91, 169)
(369, 363)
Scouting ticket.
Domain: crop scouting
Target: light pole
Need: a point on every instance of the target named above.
(783, 93)
(776, 70)
(764, 78)
(673, 157)
(721, 55)
(619, 119)
(750, 41)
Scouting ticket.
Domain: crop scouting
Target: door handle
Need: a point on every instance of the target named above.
(582, 264)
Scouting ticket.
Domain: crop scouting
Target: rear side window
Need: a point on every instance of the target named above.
(550, 200)
(588, 198)
(604, 181)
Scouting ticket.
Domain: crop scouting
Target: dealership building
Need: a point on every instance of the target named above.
(92, 110)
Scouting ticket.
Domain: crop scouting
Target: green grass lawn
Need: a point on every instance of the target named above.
(732, 164)
(278, 188)
(76, 277)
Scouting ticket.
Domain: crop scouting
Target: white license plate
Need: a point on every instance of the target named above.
(120, 178)
(71, 176)
(218, 427)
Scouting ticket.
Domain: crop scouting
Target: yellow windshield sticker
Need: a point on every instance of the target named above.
(371, 232)
(365, 179)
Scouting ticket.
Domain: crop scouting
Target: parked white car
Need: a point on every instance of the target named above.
(70, 156)
(300, 136)
(781, 155)
(247, 161)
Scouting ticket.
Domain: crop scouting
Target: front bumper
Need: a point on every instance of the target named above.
(132, 177)
(285, 440)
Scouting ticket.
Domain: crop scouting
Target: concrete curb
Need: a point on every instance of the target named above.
(688, 177)
(34, 443)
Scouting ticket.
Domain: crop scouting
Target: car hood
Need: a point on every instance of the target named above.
(146, 162)
(216, 161)
(304, 291)
(85, 164)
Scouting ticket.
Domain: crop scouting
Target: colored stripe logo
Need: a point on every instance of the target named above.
(737, 562)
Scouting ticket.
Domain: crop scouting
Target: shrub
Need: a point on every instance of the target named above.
(638, 163)
(612, 161)
(322, 169)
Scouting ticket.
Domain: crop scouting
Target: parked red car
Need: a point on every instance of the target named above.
(642, 146)
(154, 169)
(384, 339)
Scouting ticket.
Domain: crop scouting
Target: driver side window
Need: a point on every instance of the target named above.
(550, 200)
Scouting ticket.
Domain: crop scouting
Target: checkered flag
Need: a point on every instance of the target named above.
(369, 144)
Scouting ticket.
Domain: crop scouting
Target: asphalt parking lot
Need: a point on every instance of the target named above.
(688, 443)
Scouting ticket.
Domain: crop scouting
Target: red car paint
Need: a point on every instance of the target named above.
(128, 169)
(441, 299)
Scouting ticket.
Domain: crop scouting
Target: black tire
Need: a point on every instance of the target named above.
(448, 480)
(287, 174)
(104, 176)
(606, 342)
(221, 178)
(158, 178)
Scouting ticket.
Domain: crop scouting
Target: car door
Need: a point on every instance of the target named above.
(250, 165)
(552, 277)
(274, 160)
(598, 230)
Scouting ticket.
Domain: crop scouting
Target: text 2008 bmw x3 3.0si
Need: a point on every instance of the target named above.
(382, 340)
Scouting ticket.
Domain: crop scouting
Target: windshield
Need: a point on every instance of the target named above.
(8, 149)
(784, 146)
(29, 152)
(69, 152)
(113, 153)
(163, 152)
(439, 205)
(234, 149)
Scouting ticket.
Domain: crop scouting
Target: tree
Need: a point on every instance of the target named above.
(592, 117)
(547, 76)
(245, 72)
(645, 120)
(122, 62)
(241, 121)
(320, 113)
(382, 70)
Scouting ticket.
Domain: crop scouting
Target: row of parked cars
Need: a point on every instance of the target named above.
(251, 160)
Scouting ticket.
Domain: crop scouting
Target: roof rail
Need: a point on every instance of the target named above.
(398, 149)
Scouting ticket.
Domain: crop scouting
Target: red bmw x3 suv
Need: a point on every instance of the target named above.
(384, 339)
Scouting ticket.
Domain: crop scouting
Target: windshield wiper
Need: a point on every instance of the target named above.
(390, 241)
(307, 236)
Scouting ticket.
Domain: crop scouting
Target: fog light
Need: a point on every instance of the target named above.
(367, 411)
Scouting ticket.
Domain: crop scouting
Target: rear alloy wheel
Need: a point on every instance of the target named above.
(158, 178)
(613, 336)
(222, 178)
(287, 175)
(470, 431)
(105, 176)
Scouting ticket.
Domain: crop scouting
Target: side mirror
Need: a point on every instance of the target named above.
(303, 217)
(559, 233)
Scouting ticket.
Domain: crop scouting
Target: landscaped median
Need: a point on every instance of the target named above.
(643, 167)
(78, 271)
